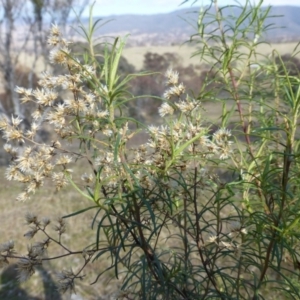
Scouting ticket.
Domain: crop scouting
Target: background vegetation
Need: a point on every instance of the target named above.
(176, 190)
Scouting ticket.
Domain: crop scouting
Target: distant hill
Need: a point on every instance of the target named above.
(176, 27)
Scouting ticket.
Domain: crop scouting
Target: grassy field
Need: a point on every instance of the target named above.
(135, 55)
(47, 203)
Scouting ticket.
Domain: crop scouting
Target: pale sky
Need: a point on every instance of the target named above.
(118, 7)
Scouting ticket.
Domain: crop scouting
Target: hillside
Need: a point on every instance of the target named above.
(177, 26)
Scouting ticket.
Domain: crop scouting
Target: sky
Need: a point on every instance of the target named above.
(119, 7)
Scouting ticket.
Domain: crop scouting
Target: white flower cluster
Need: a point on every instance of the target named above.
(174, 90)
(177, 144)
(34, 162)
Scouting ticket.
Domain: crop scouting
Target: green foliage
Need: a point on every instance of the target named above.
(171, 225)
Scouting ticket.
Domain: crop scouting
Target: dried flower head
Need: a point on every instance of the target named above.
(212, 239)
(45, 222)
(59, 56)
(66, 281)
(31, 233)
(165, 109)
(87, 178)
(25, 268)
(7, 247)
(54, 30)
(61, 227)
(31, 218)
(172, 77)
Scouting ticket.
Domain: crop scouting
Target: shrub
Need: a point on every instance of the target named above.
(171, 226)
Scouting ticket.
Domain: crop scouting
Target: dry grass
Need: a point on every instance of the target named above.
(135, 55)
(47, 203)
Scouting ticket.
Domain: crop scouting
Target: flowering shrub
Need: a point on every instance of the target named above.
(174, 226)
